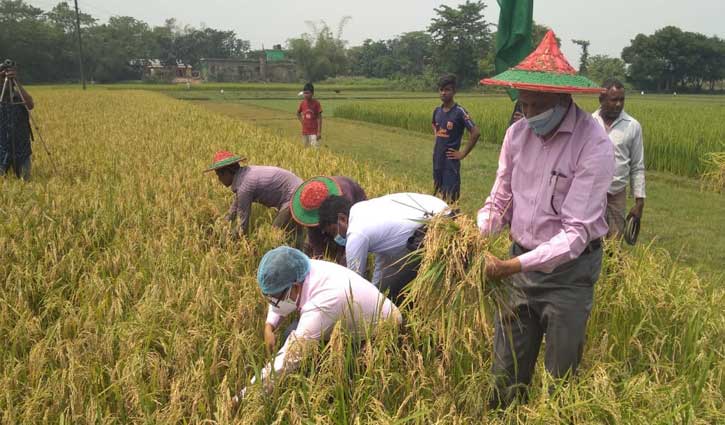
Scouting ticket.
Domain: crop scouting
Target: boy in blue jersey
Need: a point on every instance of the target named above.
(450, 121)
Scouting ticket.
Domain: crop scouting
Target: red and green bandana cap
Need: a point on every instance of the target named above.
(306, 201)
(544, 70)
(222, 159)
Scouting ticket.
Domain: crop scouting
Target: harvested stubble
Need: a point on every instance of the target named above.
(122, 302)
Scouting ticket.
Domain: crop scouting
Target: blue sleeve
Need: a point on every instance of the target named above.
(466, 118)
(433, 119)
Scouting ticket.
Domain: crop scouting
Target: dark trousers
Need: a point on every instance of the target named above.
(396, 276)
(22, 170)
(447, 180)
(555, 304)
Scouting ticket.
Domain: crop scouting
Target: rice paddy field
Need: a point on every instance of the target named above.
(679, 131)
(123, 300)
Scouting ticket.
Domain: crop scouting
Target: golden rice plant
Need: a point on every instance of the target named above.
(714, 178)
(123, 300)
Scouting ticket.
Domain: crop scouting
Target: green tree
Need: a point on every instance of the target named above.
(26, 38)
(462, 37)
(412, 52)
(602, 67)
(672, 59)
(320, 54)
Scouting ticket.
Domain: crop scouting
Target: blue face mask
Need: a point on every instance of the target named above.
(543, 123)
(340, 240)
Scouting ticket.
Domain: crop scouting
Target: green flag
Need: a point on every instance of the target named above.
(513, 39)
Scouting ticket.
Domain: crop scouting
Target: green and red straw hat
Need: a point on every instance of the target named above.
(306, 201)
(222, 159)
(544, 70)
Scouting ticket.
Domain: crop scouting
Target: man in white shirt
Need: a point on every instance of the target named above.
(380, 226)
(324, 293)
(626, 134)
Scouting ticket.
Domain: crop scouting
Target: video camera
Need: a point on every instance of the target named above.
(6, 65)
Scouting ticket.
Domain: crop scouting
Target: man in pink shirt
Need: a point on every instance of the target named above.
(551, 187)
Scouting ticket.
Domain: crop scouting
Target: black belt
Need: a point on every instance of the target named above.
(593, 246)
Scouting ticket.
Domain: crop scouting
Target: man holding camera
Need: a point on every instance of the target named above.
(15, 133)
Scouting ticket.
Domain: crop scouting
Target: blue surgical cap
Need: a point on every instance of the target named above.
(280, 268)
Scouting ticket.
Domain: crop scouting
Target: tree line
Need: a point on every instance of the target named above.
(44, 43)
(458, 40)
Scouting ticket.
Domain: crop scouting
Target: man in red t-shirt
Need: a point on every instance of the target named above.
(310, 115)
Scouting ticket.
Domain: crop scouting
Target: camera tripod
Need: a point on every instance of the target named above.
(12, 94)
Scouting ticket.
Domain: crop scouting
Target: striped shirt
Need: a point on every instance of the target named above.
(270, 186)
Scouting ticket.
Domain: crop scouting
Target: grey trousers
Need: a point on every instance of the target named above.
(616, 209)
(555, 304)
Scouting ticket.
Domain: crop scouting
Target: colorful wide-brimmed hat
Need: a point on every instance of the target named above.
(544, 70)
(222, 159)
(306, 201)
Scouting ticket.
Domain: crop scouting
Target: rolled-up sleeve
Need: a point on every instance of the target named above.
(497, 211)
(584, 205)
(636, 172)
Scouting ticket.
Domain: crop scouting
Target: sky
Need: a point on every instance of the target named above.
(608, 25)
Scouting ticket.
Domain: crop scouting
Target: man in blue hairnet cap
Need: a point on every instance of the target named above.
(324, 293)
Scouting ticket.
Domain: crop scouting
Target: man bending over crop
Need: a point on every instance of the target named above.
(380, 226)
(270, 186)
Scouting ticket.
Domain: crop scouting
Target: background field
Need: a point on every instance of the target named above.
(123, 300)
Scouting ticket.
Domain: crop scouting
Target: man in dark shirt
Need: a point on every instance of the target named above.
(15, 134)
(450, 121)
(305, 204)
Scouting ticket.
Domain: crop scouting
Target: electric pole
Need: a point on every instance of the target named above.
(80, 45)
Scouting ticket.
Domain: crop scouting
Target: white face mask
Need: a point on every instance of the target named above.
(285, 307)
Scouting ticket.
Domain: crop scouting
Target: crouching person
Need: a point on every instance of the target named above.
(305, 206)
(269, 186)
(380, 226)
(324, 293)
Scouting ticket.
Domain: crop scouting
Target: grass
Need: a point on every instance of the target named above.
(123, 301)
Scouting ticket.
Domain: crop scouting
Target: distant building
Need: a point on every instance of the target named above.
(271, 66)
(155, 70)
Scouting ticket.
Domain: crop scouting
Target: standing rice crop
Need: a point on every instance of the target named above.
(714, 178)
(678, 134)
(122, 301)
